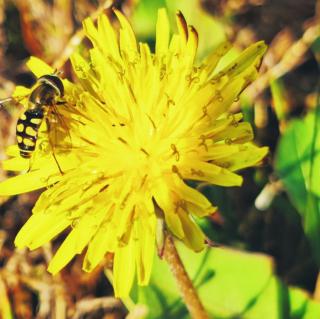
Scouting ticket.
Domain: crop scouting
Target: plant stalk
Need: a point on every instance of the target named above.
(185, 285)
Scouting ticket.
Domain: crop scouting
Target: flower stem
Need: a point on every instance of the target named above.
(187, 290)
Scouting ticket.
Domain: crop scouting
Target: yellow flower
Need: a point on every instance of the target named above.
(136, 127)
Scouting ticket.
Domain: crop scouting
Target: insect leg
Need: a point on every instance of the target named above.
(30, 166)
(52, 147)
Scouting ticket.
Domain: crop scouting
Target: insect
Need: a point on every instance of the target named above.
(43, 99)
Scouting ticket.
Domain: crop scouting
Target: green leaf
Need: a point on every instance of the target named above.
(298, 165)
(230, 283)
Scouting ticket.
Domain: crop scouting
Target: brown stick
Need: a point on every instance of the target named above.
(292, 58)
(187, 290)
(316, 293)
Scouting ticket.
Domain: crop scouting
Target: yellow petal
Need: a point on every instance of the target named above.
(211, 173)
(196, 210)
(105, 240)
(16, 164)
(23, 183)
(248, 155)
(40, 229)
(220, 151)
(213, 59)
(128, 41)
(224, 98)
(192, 44)
(124, 268)
(162, 33)
(91, 32)
(173, 223)
(84, 73)
(108, 37)
(190, 195)
(21, 91)
(13, 151)
(194, 238)
(39, 67)
(145, 246)
(182, 28)
(249, 58)
(238, 133)
(175, 46)
(77, 240)
(163, 198)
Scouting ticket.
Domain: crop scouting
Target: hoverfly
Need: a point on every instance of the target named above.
(43, 99)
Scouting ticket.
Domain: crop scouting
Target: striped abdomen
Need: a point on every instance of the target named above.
(27, 131)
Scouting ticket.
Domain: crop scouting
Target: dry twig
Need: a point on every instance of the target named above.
(86, 306)
(294, 56)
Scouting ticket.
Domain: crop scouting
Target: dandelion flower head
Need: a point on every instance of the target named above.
(141, 124)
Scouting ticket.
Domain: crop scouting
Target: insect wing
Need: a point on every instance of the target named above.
(16, 101)
(58, 130)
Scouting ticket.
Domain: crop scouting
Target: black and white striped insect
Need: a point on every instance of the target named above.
(42, 101)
